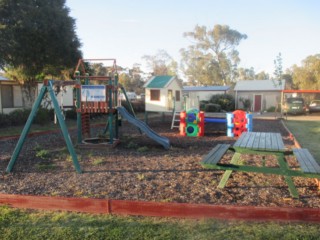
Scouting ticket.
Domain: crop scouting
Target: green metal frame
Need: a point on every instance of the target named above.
(46, 88)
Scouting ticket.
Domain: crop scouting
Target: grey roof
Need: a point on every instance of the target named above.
(259, 85)
(205, 88)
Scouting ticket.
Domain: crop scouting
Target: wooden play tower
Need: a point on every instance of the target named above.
(101, 98)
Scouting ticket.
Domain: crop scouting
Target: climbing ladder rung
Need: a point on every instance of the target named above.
(175, 119)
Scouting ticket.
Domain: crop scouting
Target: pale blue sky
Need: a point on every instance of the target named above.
(128, 29)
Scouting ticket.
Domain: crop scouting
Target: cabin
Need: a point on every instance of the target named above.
(64, 95)
(163, 94)
(10, 95)
(195, 94)
(14, 95)
(258, 95)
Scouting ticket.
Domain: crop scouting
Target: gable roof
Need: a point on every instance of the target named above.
(159, 82)
(259, 85)
(205, 88)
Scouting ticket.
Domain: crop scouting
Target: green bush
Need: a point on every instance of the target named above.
(271, 109)
(71, 114)
(203, 105)
(19, 117)
(138, 106)
(4, 120)
(44, 116)
(211, 107)
(226, 101)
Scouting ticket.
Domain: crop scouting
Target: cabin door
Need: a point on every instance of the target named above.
(170, 100)
(257, 103)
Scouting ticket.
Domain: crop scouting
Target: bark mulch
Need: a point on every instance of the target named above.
(140, 169)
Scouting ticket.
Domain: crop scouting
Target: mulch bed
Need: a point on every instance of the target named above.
(140, 169)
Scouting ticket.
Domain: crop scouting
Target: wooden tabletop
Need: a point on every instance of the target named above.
(263, 141)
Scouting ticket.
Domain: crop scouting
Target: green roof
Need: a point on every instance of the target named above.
(159, 82)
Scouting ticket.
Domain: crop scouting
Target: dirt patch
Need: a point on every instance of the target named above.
(140, 169)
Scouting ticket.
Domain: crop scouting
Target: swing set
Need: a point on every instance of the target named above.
(90, 98)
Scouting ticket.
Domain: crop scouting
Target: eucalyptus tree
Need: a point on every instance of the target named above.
(307, 76)
(161, 64)
(212, 59)
(245, 74)
(262, 76)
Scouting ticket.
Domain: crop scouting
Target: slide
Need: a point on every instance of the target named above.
(144, 128)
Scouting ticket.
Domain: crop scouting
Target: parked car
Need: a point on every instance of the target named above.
(314, 106)
(131, 96)
(295, 105)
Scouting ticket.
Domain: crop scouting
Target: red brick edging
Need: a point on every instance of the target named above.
(158, 209)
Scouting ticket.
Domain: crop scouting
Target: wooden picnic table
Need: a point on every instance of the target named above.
(262, 143)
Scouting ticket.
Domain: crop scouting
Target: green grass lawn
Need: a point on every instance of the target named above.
(308, 135)
(25, 224)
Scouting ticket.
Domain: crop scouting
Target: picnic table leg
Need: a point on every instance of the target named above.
(284, 166)
(292, 188)
(227, 173)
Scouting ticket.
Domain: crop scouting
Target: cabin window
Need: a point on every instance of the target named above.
(178, 96)
(7, 96)
(155, 95)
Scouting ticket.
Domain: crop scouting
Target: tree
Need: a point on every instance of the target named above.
(161, 64)
(125, 81)
(245, 74)
(307, 76)
(278, 67)
(98, 69)
(131, 79)
(278, 70)
(262, 76)
(37, 38)
(213, 58)
(288, 79)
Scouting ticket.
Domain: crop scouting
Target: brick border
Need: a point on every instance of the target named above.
(158, 209)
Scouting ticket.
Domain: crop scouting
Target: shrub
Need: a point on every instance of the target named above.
(44, 116)
(203, 105)
(211, 107)
(246, 103)
(226, 101)
(19, 116)
(271, 109)
(4, 120)
(71, 114)
(138, 106)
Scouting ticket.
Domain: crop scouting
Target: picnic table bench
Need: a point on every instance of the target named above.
(262, 143)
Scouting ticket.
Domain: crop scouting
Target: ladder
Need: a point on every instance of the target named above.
(175, 119)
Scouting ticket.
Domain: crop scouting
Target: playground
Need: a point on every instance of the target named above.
(141, 169)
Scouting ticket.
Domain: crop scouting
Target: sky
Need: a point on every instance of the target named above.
(129, 29)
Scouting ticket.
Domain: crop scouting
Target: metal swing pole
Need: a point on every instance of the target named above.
(17, 150)
(26, 129)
